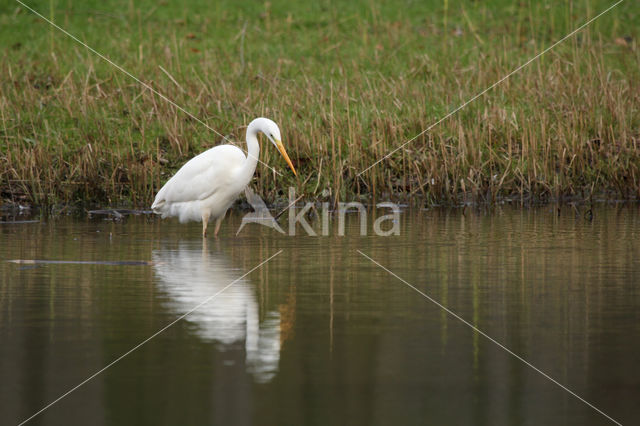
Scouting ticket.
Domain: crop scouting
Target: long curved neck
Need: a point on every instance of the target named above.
(253, 148)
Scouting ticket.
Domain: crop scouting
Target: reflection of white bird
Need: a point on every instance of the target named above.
(206, 186)
(189, 276)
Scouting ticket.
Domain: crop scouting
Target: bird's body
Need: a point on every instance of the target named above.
(208, 184)
(211, 170)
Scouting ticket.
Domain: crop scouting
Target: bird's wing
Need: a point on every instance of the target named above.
(202, 176)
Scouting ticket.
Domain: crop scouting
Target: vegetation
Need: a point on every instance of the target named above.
(348, 81)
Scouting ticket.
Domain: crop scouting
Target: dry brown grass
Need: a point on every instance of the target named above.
(567, 126)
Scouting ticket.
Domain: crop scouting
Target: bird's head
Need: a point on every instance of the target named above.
(272, 132)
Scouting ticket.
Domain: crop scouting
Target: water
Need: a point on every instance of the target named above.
(320, 334)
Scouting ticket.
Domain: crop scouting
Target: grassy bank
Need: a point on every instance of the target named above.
(347, 81)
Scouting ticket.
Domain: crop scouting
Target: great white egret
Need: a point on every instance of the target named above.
(206, 186)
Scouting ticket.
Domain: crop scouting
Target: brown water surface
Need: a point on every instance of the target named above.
(319, 334)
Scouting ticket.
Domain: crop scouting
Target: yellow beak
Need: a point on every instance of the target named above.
(284, 154)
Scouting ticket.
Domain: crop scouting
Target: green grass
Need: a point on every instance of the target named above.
(347, 81)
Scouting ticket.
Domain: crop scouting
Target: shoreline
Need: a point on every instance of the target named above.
(26, 211)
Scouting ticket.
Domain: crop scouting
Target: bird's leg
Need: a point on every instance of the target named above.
(218, 223)
(205, 222)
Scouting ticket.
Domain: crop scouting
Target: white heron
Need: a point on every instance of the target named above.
(208, 184)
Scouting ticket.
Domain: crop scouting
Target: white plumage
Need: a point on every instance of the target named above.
(208, 184)
(196, 185)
